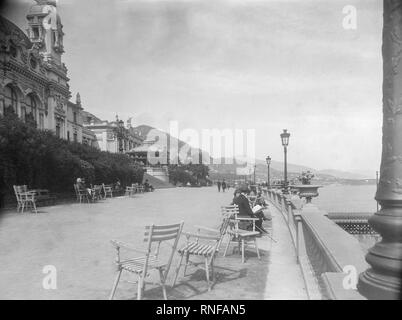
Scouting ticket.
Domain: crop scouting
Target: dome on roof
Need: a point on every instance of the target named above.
(47, 2)
(38, 8)
(10, 29)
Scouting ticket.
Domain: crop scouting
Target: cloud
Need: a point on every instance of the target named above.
(232, 63)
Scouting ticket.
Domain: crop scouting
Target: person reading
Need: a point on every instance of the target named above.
(245, 210)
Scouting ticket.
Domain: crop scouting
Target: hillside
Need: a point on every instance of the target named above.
(228, 171)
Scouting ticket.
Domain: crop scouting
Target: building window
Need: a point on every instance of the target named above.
(23, 113)
(32, 106)
(10, 98)
(75, 117)
(58, 131)
(41, 121)
(75, 137)
(68, 135)
(35, 32)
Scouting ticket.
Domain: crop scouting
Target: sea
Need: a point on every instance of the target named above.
(347, 198)
(350, 198)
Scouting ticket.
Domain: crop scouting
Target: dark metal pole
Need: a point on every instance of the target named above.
(376, 180)
(255, 166)
(285, 149)
(383, 279)
(269, 182)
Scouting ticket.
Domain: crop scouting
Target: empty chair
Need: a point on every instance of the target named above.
(25, 198)
(149, 260)
(205, 245)
(240, 236)
(107, 191)
(96, 193)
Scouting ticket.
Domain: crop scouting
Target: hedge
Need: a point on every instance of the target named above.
(39, 159)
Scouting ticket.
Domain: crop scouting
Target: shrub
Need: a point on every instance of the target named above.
(41, 160)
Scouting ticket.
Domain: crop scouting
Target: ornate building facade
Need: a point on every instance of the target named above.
(33, 78)
(112, 136)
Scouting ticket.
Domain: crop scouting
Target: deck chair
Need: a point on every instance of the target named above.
(205, 244)
(130, 191)
(80, 193)
(240, 236)
(25, 198)
(18, 190)
(96, 193)
(107, 191)
(154, 235)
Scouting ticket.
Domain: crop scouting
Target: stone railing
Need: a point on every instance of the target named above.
(330, 258)
(353, 222)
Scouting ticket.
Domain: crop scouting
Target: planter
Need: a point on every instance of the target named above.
(307, 191)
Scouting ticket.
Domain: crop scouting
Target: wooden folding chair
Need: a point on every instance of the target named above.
(154, 234)
(237, 235)
(96, 193)
(204, 245)
(130, 191)
(107, 191)
(25, 198)
(80, 193)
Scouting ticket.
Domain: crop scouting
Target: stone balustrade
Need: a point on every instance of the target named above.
(330, 258)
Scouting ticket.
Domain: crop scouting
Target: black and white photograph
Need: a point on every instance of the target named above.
(200, 150)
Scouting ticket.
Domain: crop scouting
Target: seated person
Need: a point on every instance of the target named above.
(147, 186)
(235, 195)
(81, 186)
(245, 210)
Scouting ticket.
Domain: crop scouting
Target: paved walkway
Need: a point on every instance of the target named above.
(284, 280)
(75, 240)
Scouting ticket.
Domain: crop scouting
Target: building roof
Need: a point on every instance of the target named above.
(93, 119)
(10, 29)
(148, 145)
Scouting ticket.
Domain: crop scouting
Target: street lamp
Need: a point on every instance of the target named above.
(285, 142)
(120, 134)
(255, 167)
(268, 159)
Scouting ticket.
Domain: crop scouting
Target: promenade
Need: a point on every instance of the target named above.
(75, 238)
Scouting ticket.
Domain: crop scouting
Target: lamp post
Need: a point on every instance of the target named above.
(268, 160)
(120, 134)
(383, 278)
(285, 142)
(255, 167)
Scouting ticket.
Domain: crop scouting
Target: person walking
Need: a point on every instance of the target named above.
(223, 185)
(219, 186)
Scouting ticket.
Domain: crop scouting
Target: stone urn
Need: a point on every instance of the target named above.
(307, 191)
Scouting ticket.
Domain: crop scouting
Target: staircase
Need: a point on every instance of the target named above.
(156, 183)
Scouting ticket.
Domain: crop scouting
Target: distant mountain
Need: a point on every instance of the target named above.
(143, 131)
(343, 174)
(229, 168)
(278, 165)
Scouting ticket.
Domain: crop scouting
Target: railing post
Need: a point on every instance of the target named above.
(289, 205)
(298, 222)
(283, 204)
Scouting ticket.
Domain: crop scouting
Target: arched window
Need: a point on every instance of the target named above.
(10, 98)
(32, 106)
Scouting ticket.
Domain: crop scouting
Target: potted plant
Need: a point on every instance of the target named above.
(305, 177)
(306, 189)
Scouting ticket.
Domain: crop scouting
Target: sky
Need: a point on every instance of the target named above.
(234, 64)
